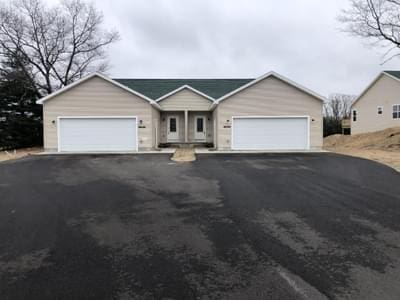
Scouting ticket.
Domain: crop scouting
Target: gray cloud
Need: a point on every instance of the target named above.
(232, 38)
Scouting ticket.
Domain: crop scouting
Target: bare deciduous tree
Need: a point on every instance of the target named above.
(61, 43)
(337, 108)
(377, 21)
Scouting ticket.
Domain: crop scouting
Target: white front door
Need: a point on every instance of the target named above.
(200, 128)
(173, 129)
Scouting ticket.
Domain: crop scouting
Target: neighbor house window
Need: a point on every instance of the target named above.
(396, 111)
(354, 115)
(380, 110)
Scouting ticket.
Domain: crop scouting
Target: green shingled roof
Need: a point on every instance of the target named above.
(394, 73)
(155, 88)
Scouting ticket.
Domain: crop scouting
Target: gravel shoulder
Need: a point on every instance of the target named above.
(18, 153)
(381, 146)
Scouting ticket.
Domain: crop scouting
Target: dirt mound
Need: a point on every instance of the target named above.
(388, 140)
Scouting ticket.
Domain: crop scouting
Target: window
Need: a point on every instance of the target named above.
(380, 110)
(354, 115)
(396, 111)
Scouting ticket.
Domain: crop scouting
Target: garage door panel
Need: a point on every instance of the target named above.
(97, 134)
(270, 133)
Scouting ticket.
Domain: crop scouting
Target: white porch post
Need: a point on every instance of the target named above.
(186, 126)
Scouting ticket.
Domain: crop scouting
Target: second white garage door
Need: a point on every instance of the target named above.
(270, 133)
(82, 134)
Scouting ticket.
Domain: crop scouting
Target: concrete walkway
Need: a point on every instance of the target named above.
(184, 155)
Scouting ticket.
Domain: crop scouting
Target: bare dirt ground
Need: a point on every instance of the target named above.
(381, 146)
(14, 154)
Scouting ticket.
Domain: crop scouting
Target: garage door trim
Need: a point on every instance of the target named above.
(270, 117)
(94, 117)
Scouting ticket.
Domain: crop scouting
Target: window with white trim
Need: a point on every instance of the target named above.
(380, 110)
(396, 111)
(354, 115)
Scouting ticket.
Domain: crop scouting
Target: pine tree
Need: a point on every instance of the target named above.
(20, 116)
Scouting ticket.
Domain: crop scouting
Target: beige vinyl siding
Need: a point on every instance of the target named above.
(208, 123)
(215, 127)
(156, 126)
(164, 125)
(97, 97)
(386, 93)
(185, 100)
(269, 97)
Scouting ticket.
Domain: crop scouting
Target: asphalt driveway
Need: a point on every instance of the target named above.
(272, 226)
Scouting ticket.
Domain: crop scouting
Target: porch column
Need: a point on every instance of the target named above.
(186, 126)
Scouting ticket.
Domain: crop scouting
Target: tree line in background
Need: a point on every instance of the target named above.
(336, 109)
(43, 49)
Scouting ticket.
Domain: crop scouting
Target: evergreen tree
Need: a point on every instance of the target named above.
(20, 116)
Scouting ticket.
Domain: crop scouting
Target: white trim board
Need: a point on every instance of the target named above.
(278, 76)
(372, 83)
(182, 88)
(95, 117)
(273, 117)
(70, 86)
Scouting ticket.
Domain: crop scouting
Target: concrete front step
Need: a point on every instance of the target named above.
(186, 145)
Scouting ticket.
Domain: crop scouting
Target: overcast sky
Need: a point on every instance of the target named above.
(301, 39)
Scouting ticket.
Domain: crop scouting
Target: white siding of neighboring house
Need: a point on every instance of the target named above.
(384, 92)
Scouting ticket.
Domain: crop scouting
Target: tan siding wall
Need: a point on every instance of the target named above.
(96, 97)
(185, 99)
(156, 126)
(215, 126)
(385, 92)
(270, 97)
(209, 126)
(164, 123)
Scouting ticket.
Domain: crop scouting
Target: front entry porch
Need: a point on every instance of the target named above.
(186, 128)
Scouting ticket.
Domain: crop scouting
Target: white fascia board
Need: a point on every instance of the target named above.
(70, 86)
(276, 75)
(372, 83)
(182, 88)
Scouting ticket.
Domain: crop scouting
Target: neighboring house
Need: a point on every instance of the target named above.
(97, 113)
(378, 106)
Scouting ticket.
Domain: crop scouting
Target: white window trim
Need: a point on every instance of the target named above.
(398, 111)
(377, 110)
(95, 117)
(273, 117)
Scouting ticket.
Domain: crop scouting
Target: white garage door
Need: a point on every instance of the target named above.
(270, 133)
(97, 134)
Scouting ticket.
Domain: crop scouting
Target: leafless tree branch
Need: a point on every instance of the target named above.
(61, 43)
(375, 20)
